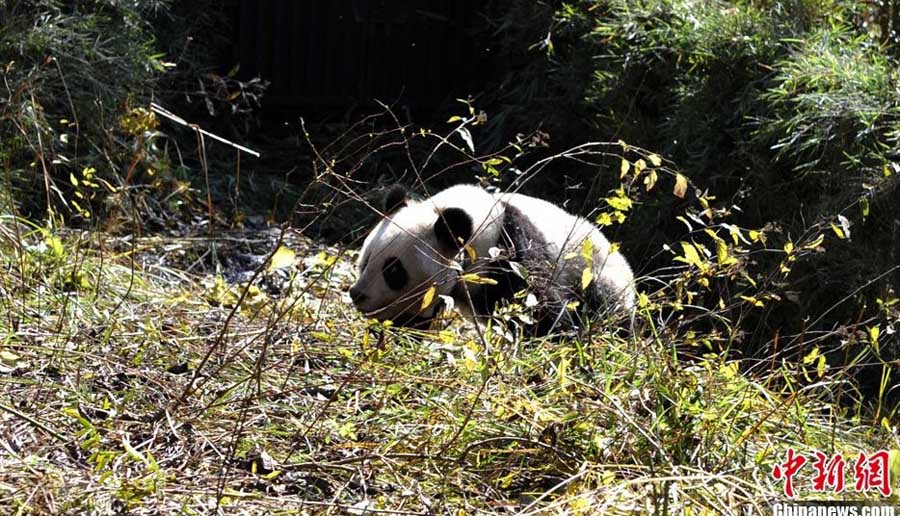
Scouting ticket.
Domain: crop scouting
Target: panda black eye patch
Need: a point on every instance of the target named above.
(394, 274)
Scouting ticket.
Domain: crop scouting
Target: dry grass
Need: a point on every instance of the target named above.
(132, 381)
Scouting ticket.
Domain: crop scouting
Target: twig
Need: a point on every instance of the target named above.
(159, 110)
(34, 422)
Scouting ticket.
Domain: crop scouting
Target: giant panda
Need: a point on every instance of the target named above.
(483, 249)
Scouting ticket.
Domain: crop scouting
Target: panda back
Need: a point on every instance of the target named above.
(564, 234)
(560, 230)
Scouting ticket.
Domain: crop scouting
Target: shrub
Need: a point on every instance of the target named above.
(788, 108)
(77, 82)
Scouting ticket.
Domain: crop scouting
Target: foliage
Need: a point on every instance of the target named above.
(788, 108)
(183, 374)
(78, 79)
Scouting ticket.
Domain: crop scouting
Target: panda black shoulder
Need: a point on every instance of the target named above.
(521, 235)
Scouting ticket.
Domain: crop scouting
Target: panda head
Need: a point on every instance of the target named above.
(407, 253)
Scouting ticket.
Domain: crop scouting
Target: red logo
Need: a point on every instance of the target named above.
(870, 472)
(873, 472)
(788, 469)
(829, 474)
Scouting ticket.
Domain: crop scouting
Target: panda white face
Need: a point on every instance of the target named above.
(402, 258)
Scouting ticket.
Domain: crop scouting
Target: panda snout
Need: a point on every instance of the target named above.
(357, 295)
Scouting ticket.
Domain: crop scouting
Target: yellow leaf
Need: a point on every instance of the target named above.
(643, 300)
(729, 370)
(623, 168)
(838, 231)
(788, 247)
(604, 219)
(681, 185)
(561, 371)
(655, 159)
(613, 248)
(587, 250)
(471, 252)
(864, 207)
(321, 335)
(8, 357)
(608, 478)
(55, 245)
(722, 253)
(621, 201)
(447, 336)
(811, 356)
(587, 276)
(691, 256)
(735, 233)
(428, 297)
(639, 166)
(753, 301)
(874, 332)
(272, 475)
(477, 280)
(650, 180)
(815, 243)
(282, 258)
(470, 357)
(821, 366)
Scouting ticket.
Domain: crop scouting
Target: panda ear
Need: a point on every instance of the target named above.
(453, 227)
(394, 199)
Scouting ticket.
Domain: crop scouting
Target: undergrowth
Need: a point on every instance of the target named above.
(131, 390)
(184, 374)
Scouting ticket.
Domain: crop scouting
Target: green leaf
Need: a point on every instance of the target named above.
(55, 245)
(477, 280)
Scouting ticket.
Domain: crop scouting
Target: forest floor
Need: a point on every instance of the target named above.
(196, 374)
